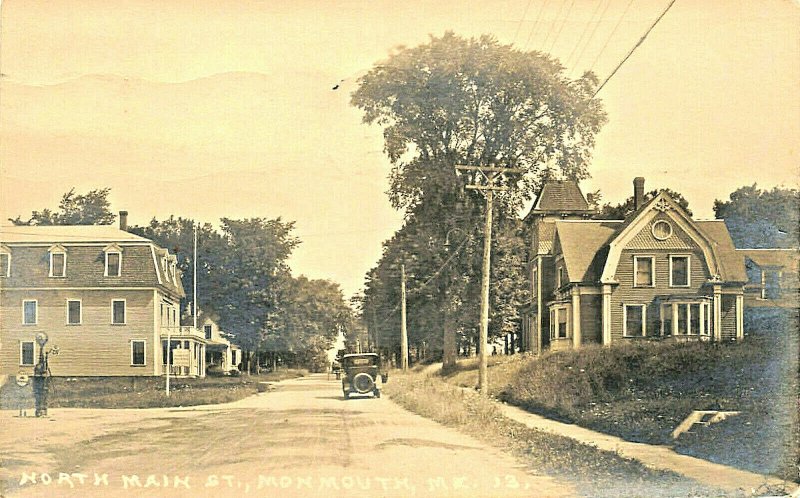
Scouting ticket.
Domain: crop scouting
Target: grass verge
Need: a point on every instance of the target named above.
(594, 472)
(642, 391)
(147, 392)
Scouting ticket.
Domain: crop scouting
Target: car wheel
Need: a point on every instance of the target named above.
(363, 383)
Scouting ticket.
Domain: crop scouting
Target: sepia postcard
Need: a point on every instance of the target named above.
(475, 248)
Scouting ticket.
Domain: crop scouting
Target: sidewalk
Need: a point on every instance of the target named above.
(653, 456)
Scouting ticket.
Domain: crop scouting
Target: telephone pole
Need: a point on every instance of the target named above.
(403, 329)
(487, 188)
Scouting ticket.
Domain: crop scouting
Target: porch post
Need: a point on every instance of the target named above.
(717, 313)
(739, 317)
(606, 315)
(674, 319)
(576, 318)
(539, 310)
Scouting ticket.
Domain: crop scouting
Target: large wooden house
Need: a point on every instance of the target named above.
(107, 298)
(659, 274)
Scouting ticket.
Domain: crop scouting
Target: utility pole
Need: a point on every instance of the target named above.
(403, 329)
(487, 188)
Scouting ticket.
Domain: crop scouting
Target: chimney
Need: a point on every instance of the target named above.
(638, 192)
(123, 220)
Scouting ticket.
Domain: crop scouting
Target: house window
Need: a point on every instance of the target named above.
(662, 230)
(686, 319)
(5, 264)
(58, 264)
(644, 275)
(666, 320)
(207, 330)
(113, 264)
(30, 314)
(560, 279)
(73, 312)
(118, 312)
(633, 324)
(679, 271)
(534, 275)
(559, 323)
(137, 353)
(26, 353)
(562, 324)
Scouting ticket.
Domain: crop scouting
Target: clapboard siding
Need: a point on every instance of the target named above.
(95, 347)
(728, 318)
(626, 293)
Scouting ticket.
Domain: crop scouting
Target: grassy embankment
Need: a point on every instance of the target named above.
(149, 392)
(641, 392)
(594, 472)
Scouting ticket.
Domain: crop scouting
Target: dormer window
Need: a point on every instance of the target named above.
(5, 262)
(58, 261)
(113, 261)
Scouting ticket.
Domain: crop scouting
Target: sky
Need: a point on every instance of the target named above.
(209, 109)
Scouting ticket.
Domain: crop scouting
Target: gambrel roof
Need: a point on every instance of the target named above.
(592, 249)
(85, 248)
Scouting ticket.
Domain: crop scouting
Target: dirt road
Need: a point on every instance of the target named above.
(302, 439)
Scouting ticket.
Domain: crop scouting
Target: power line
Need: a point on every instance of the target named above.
(613, 32)
(583, 34)
(522, 19)
(589, 40)
(563, 22)
(536, 23)
(553, 23)
(641, 40)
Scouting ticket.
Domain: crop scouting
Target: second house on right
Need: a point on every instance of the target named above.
(657, 274)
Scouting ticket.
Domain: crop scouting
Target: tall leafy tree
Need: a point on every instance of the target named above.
(177, 235)
(759, 218)
(91, 208)
(455, 101)
(475, 101)
(253, 272)
(310, 315)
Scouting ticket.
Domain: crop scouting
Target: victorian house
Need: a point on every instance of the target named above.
(658, 274)
(108, 299)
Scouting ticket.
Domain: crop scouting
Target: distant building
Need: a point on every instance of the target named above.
(773, 277)
(658, 274)
(221, 354)
(107, 298)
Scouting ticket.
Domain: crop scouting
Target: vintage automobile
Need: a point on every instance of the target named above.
(361, 374)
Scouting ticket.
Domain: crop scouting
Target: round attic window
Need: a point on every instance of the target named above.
(662, 230)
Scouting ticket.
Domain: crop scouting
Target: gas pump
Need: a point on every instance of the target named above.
(41, 375)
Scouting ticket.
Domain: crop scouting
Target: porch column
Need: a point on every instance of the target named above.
(675, 319)
(739, 317)
(576, 318)
(606, 315)
(538, 333)
(717, 313)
